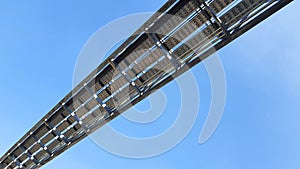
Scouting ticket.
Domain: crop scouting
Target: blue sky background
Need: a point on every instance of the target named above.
(39, 45)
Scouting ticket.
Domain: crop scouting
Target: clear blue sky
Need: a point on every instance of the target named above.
(39, 45)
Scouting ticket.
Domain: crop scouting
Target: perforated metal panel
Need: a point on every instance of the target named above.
(219, 5)
(173, 19)
(241, 10)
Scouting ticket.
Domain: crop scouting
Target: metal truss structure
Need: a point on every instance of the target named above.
(159, 51)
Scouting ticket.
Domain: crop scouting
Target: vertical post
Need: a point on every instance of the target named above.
(41, 144)
(73, 114)
(124, 74)
(102, 104)
(56, 132)
(165, 50)
(29, 155)
(16, 161)
(214, 15)
(127, 64)
(102, 86)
